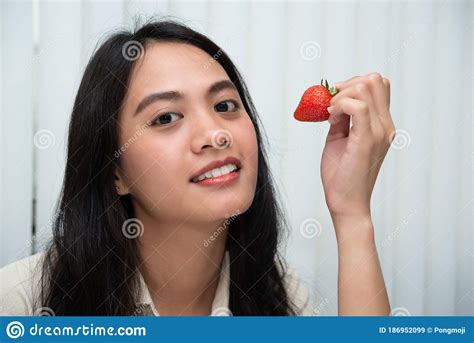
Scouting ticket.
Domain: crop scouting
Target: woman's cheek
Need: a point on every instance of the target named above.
(146, 165)
(251, 145)
(248, 149)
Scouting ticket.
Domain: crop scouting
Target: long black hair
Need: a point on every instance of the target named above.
(90, 267)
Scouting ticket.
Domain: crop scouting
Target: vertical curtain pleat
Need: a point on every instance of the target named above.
(17, 130)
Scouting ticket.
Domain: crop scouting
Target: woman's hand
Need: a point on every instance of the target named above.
(353, 155)
(350, 164)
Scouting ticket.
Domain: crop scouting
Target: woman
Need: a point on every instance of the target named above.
(168, 205)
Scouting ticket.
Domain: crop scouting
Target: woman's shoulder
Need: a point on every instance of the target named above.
(296, 291)
(19, 282)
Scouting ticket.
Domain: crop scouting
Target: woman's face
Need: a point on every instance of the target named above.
(170, 138)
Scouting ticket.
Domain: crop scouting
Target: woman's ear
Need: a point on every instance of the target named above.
(120, 185)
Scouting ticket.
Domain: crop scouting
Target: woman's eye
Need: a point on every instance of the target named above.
(165, 118)
(227, 106)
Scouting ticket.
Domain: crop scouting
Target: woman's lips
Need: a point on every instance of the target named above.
(217, 164)
(226, 179)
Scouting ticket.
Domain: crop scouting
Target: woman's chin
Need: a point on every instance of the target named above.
(221, 210)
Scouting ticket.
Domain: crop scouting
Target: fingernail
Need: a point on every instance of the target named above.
(330, 108)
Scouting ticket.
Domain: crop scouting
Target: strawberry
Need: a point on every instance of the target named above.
(314, 103)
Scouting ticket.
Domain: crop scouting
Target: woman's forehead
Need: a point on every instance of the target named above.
(169, 66)
(171, 63)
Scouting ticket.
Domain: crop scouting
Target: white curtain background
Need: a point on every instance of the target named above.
(422, 203)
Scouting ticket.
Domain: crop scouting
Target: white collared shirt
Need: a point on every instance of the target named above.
(19, 282)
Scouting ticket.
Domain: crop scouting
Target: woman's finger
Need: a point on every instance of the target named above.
(386, 83)
(344, 84)
(357, 91)
(379, 93)
(368, 79)
(357, 109)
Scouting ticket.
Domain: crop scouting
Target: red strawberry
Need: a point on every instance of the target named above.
(314, 103)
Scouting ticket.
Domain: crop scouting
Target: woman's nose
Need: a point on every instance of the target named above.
(209, 132)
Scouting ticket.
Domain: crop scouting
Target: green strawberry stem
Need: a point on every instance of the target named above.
(333, 90)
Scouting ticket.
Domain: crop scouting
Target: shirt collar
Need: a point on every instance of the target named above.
(220, 304)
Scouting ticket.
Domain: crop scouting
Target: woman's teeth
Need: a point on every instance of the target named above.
(228, 168)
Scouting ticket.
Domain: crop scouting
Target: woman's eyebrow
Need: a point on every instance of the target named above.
(177, 95)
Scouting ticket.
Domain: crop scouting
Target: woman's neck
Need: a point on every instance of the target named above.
(181, 265)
